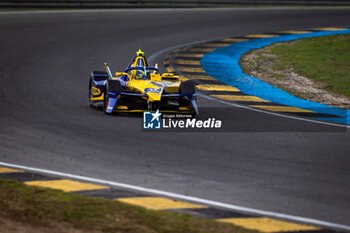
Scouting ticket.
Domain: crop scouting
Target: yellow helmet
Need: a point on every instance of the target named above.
(140, 53)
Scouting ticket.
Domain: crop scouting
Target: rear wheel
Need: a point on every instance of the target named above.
(187, 87)
(100, 75)
(114, 85)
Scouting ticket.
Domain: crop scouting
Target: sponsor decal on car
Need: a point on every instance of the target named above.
(153, 90)
(95, 91)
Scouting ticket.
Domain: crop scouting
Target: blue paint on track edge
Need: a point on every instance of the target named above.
(223, 64)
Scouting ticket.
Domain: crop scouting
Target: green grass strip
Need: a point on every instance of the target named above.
(41, 207)
(323, 59)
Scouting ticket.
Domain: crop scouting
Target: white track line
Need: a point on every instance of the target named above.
(48, 11)
(184, 197)
(272, 113)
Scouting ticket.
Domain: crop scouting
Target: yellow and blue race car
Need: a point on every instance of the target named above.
(141, 88)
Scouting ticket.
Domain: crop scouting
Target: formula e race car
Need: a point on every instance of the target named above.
(141, 88)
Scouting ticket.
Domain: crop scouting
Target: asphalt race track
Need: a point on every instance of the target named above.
(46, 122)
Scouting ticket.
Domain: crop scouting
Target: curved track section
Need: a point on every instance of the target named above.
(46, 122)
(214, 66)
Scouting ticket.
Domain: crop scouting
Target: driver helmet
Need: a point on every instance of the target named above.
(140, 74)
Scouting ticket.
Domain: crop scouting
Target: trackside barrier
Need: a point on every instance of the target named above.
(158, 3)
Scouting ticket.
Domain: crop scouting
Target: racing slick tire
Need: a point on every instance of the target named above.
(99, 75)
(114, 85)
(187, 87)
(96, 76)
